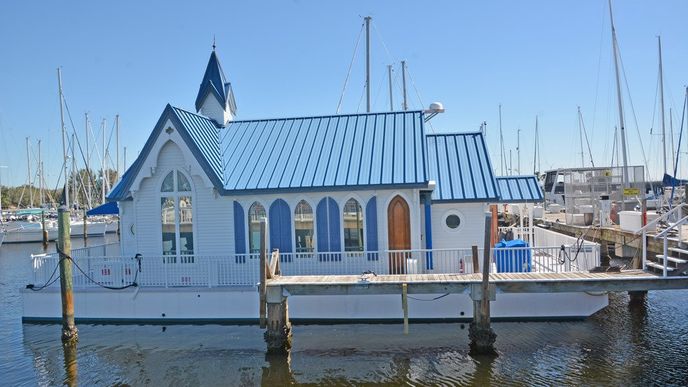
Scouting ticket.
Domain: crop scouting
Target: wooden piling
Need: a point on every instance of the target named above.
(404, 306)
(85, 231)
(45, 232)
(70, 364)
(64, 245)
(476, 263)
(481, 335)
(604, 253)
(278, 333)
(263, 277)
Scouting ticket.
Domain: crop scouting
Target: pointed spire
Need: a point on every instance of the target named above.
(215, 84)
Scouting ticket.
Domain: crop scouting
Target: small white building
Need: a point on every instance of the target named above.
(342, 183)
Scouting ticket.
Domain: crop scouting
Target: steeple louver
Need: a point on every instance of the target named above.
(215, 98)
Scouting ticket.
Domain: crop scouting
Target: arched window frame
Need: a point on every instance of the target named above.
(314, 236)
(250, 250)
(176, 194)
(363, 223)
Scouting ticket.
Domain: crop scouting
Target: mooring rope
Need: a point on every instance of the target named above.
(64, 256)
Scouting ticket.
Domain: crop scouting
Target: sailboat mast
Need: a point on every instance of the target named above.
(391, 98)
(671, 135)
(536, 147)
(75, 193)
(367, 23)
(661, 104)
(88, 164)
(501, 142)
(40, 176)
(518, 150)
(28, 173)
(403, 84)
(102, 166)
(580, 134)
(117, 144)
(622, 130)
(64, 138)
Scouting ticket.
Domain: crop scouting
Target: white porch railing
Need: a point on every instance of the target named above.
(243, 269)
(524, 233)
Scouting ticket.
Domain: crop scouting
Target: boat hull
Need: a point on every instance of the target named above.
(29, 235)
(92, 229)
(237, 305)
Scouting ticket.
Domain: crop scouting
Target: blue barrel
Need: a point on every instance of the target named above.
(512, 261)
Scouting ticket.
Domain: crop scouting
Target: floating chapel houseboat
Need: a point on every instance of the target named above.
(340, 194)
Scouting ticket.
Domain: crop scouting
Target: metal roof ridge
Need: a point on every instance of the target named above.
(324, 116)
(453, 134)
(514, 176)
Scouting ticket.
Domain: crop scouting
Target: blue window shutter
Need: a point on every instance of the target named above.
(327, 219)
(371, 228)
(239, 232)
(280, 226)
(335, 228)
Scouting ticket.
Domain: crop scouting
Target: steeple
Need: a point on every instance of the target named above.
(215, 98)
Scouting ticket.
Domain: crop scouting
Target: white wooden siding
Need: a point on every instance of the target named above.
(470, 232)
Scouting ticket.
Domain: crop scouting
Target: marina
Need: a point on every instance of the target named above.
(288, 243)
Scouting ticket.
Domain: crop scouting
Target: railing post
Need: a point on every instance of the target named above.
(645, 250)
(666, 253)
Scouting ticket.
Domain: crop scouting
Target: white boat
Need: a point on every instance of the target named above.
(93, 228)
(112, 226)
(29, 233)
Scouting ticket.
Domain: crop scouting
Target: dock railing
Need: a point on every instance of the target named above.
(243, 269)
(676, 211)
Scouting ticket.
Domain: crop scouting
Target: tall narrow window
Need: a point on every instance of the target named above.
(177, 216)
(256, 214)
(303, 227)
(353, 226)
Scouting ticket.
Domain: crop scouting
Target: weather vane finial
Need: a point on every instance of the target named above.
(213, 42)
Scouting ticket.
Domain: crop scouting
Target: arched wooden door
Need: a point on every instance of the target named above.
(399, 234)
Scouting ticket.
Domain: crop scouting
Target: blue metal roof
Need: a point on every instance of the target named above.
(327, 152)
(206, 137)
(201, 136)
(214, 82)
(460, 166)
(519, 189)
(360, 151)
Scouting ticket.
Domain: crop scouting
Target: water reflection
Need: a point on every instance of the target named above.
(70, 364)
(278, 370)
(639, 344)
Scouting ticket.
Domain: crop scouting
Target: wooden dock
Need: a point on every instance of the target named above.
(483, 288)
(625, 280)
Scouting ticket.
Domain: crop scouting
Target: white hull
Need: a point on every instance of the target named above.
(29, 235)
(92, 228)
(111, 227)
(241, 305)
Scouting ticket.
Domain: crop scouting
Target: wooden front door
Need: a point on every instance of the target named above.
(399, 230)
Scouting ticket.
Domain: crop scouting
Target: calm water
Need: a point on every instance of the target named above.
(622, 345)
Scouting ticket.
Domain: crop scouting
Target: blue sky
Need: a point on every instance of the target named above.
(284, 58)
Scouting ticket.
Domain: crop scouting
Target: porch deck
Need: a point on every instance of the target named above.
(625, 280)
